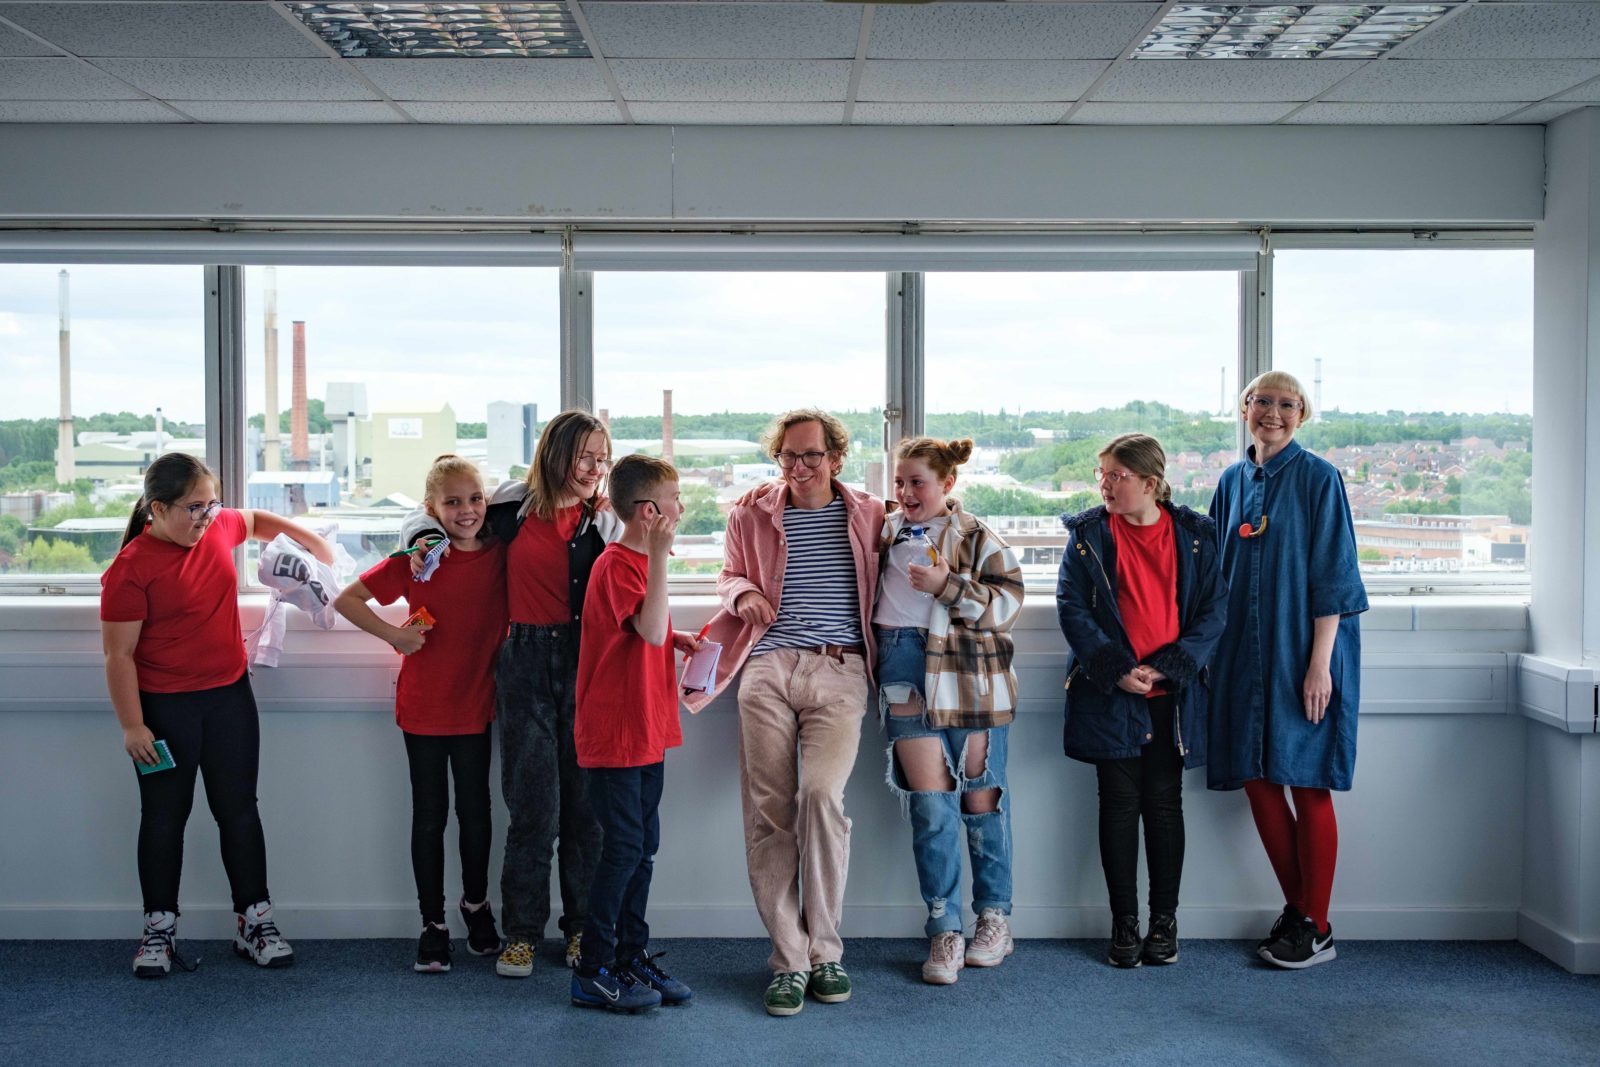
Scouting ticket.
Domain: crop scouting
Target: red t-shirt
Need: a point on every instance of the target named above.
(627, 691)
(188, 601)
(447, 687)
(1147, 584)
(536, 569)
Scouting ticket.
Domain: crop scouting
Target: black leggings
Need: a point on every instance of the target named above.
(467, 755)
(214, 733)
(1150, 786)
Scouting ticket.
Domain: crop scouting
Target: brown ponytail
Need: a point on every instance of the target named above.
(166, 481)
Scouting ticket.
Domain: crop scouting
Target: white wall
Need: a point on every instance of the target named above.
(1431, 832)
(1409, 175)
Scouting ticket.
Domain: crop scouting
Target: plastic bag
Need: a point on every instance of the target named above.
(297, 578)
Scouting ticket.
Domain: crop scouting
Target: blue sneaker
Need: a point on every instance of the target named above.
(613, 992)
(644, 971)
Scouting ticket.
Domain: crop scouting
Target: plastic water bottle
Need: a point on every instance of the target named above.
(926, 557)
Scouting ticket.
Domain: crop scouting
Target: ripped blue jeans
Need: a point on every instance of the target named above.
(936, 816)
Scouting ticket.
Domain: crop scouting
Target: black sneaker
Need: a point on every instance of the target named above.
(482, 937)
(433, 950)
(644, 970)
(1125, 945)
(1290, 917)
(1161, 943)
(1301, 947)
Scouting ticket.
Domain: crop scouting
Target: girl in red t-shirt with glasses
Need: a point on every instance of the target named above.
(444, 700)
(1142, 603)
(175, 666)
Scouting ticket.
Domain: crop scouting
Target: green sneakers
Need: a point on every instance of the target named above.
(829, 983)
(786, 993)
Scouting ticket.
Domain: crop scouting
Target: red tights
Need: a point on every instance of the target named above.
(1302, 844)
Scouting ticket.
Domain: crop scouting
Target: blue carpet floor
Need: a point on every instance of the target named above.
(1440, 1003)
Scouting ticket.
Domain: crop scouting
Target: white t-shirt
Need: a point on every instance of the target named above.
(899, 602)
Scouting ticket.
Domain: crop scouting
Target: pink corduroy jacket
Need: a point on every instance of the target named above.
(754, 557)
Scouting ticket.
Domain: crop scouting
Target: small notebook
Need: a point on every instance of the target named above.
(700, 670)
(166, 763)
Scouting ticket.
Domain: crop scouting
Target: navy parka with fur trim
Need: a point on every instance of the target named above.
(1103, 721)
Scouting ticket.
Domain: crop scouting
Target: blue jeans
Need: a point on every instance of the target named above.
(627, 803)
(936, 816)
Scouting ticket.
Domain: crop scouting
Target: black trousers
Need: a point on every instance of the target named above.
(627, 801)
(1148, 787)
(433, 760)
(536, 682)
(213, 733)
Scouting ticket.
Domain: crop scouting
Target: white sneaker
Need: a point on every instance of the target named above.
(258, 939)
(991, 941)
(156, 949)
(944, 958)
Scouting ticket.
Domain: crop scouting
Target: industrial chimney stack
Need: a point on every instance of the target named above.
(666, 425)
(271, 447)
(66, 468)
(1316, 394)
(299, 444)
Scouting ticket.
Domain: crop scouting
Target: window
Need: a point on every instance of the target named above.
(381, 369)
(1040, 370)
(1420, 368)
(133, 355)
(723, 353)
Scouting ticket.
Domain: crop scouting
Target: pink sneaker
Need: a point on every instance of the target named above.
(991, 941)
(944, 958)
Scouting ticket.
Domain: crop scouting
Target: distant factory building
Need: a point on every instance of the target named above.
(274, 491)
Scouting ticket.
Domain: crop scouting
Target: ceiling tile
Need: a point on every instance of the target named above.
(996, 80)
(1185, 80)
(976, 114)
(1588, 93)
(1179, 114)
(1513, 31)
(1454, 114)
(732, 79)
(13, 43)
(240, 79)
(295, 111)
(1007, 31)
(58, 79)
(726, 31)
(517, 113)
(165, 30)
(1449, 80)
(85, 111)
(738, 114)
(487, 79)
(1541, 113)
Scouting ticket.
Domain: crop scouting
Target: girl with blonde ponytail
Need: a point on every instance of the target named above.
(949, 592)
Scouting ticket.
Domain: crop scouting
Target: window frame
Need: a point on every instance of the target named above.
(904, 255)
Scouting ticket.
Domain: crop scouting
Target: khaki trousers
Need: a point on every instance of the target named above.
(800, 718)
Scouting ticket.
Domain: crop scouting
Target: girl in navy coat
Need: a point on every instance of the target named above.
(1288, 672)
(1142, 603)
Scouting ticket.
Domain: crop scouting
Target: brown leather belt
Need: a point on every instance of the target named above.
(836, 652)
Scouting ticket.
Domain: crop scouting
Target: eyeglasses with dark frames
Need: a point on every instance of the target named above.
(787, 460)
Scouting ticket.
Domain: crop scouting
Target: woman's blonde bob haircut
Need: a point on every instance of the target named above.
(1144, 457)
(1277, 379)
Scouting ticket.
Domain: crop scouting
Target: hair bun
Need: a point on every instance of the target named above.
(960, 450)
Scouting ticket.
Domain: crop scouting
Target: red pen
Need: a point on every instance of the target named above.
(701, 636)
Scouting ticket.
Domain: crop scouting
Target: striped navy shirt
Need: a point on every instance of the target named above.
(820, 605)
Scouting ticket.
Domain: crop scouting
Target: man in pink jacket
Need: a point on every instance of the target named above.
(799, 577)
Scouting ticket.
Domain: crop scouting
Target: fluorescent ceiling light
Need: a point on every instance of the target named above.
(420, 31)
(1285, 31)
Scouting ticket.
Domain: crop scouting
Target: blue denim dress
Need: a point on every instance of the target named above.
(1302, 567)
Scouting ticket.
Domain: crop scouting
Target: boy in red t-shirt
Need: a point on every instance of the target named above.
(627, 718)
